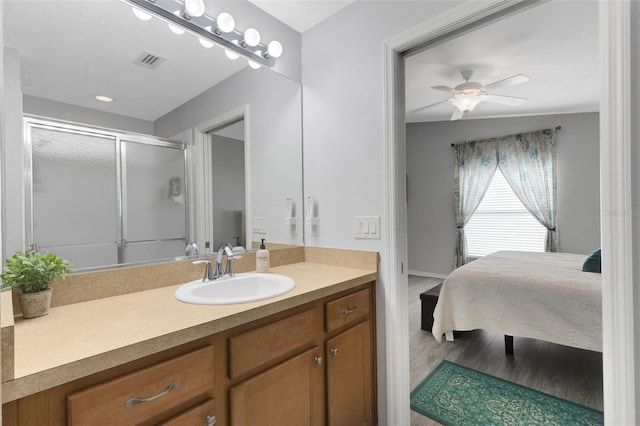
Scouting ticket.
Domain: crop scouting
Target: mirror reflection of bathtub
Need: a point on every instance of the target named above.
(158, 182)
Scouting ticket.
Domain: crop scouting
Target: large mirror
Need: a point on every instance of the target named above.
(240, 130)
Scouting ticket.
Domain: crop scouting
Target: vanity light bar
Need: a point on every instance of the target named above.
(198, 25)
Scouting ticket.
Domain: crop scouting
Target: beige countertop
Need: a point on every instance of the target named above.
(79, 339)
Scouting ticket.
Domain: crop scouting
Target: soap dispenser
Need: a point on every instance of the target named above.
(262, 258)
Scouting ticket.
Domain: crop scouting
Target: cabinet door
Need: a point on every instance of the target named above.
(290, 393)
(349, 377)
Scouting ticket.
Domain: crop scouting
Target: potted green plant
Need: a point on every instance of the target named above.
(32, 272)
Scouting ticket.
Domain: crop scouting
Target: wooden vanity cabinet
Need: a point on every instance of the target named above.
(310, 365)
(350, 360)
(333, 386)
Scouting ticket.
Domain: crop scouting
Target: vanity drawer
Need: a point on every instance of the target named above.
(138, 396)
(347, 309)
(264, 344)
(201, 415)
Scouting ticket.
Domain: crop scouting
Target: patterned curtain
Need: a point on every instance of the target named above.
(528, 162)
(476, 165)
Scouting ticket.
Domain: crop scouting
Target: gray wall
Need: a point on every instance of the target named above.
(77, 114)
(635, 137)
(273, 141)
(13, 190)
(344, 158)
(430, 169)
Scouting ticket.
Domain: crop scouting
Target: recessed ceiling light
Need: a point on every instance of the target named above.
(103, 98)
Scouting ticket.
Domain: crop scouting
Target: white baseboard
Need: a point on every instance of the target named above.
(426, 274)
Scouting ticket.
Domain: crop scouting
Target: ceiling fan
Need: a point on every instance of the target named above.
(468, 95)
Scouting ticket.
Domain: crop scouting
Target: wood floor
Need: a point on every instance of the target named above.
(569, 373)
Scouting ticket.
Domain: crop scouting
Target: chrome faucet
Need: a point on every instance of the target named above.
(209, 274)
(222, 250)
(192, 249)
(208, 271)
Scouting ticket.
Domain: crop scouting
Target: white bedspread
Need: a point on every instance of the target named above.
(539, 295)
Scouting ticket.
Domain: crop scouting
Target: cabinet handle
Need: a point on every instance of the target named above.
(211, 420)
(335, 351)
(318, 360)
(349, 311)
(135, 401)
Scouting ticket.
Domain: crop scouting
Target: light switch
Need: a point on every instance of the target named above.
(259, 225)
(366, 227)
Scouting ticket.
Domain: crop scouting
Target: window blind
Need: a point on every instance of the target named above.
(502, 222)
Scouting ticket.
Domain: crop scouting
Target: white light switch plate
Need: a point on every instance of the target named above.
(259, 225)
(366, 227)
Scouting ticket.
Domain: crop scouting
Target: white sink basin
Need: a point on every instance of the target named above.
(238, 289)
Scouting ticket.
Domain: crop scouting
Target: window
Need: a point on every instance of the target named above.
(502, 222)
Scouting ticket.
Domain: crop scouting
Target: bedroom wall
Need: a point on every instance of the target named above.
(430, 170)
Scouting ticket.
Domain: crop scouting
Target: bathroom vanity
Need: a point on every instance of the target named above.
(305, 357)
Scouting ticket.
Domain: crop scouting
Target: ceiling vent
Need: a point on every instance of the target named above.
(149, 60)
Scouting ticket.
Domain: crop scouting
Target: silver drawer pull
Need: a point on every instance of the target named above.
(318, 360)
(211, 420)
(349, 311)
(335, 351)
(135, 401)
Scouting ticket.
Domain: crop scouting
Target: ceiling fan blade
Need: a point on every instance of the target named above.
(457, 114)
(509, 81)
(504, 100)
(445, 89)
(428, 106)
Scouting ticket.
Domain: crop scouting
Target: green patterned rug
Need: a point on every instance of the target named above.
(455, 396)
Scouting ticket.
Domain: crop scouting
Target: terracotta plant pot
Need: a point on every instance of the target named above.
(35, 304)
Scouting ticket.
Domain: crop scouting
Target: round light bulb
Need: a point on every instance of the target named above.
(231, 55)
(194, 8)
(205, 43)
(174, 28)
(103, 98)
(254, 64)
(252, 37)
(274, 49)
(225, 22)
(140, 14)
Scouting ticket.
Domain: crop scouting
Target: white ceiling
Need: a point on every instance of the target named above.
(555, 44)
(71, 50)
(301, 14)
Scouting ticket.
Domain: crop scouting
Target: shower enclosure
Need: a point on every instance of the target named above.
(103, 197)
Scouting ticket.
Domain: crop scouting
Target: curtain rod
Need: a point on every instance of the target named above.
(557, 128)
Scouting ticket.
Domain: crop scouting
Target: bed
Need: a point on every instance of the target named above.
(543, 296)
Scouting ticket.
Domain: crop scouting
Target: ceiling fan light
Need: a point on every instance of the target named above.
(466, 103)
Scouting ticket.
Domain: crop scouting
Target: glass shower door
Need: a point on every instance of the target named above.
(154, 208)
(74, 195)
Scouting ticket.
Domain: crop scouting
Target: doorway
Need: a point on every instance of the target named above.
(618, 354)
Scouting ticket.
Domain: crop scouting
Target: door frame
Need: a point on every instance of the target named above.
(201, 158)
(616, 200)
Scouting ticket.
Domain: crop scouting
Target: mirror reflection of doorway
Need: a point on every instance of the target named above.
(228, 209)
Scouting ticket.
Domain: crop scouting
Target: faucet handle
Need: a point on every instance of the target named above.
(207, 270)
